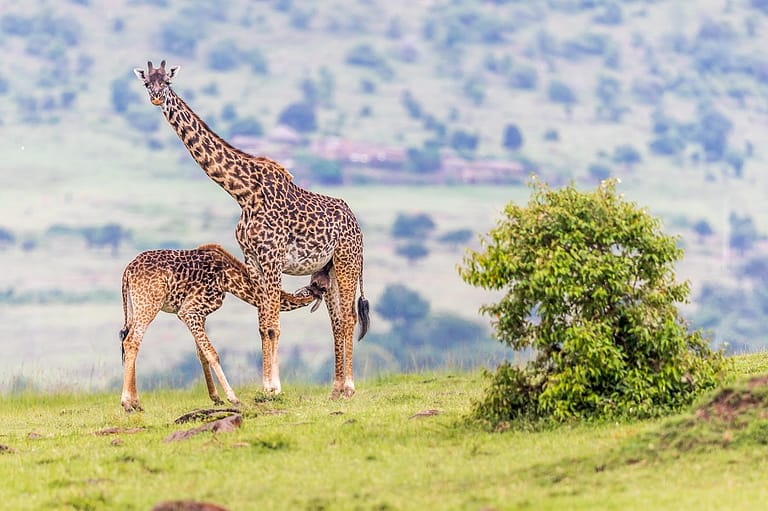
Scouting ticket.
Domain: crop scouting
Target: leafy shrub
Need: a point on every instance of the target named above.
(589, 287)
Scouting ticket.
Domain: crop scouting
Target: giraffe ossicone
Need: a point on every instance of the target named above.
(283, 228)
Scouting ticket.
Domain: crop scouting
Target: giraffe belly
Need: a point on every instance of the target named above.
(299, 262)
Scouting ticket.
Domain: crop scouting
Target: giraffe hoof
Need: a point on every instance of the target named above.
(132, 407)
(349, 392)
(335, 394)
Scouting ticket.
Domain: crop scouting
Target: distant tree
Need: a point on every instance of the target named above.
(559, 92)
(327, 172)
(474, 90)
(16, 25)
(6, 237)
(736, 161)
(124, 93)
(365, 55)
(523, 77)
(299, 116)
(424, 160)
(464, 142)
(257, 60)
(513, 138)
(743, 233)
(608, 93)
(416, 226)
(626, 154)
(756, 270)
(456, 237)
(667, 145)
(108, 235)
(4, 87)
(712, 133)
(411, 104)
(247, 126)
(703, 229)
(180, 38)
(401, 305)
(610, 15)
(229, 112)
(224, 56)
(412, 251)
(761, 5)
(599, 171)
(143, 120)
(551, 135)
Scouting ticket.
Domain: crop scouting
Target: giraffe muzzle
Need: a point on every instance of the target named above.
(156, 101)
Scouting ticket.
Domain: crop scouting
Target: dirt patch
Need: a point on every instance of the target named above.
(187, 505)
(737, 405)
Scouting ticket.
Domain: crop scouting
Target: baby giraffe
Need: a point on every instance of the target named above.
(192, 284)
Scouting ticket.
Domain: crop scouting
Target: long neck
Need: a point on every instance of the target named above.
(223, 163)
(238, 282)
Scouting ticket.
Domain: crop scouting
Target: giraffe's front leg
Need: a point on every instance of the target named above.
(209, 359)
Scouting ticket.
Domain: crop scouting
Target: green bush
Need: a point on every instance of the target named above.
(590, 288)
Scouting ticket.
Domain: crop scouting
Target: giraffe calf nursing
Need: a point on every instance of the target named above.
(192, 284)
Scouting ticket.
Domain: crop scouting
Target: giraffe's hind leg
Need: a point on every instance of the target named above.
(340, 301)
(195, 321)
(212, 392)
(131, 342)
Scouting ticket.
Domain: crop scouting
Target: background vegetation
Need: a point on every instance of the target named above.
(359, 100)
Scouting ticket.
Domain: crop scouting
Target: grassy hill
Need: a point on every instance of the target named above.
(401, 443)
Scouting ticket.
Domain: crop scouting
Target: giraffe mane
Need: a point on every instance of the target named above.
(285, 172)
(237, 263)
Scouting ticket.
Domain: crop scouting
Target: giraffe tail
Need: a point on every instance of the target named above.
(363, 309)
(126, 313)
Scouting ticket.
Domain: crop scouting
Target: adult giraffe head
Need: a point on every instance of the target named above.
(157, 81)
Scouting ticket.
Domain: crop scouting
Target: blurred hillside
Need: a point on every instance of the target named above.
(391, 101)
(360, 91)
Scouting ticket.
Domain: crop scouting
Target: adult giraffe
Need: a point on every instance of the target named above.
(282, 229)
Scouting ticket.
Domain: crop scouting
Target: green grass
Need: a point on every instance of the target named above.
(303, 451)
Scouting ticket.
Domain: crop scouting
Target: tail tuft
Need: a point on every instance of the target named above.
(123, 335)
(363, 313)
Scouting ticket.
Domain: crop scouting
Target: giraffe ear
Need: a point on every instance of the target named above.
(173, 72)
(140, 73)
